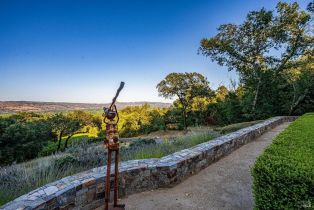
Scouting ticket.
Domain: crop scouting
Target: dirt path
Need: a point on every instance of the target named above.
(225, 184)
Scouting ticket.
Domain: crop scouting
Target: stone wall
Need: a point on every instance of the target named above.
(86, 190)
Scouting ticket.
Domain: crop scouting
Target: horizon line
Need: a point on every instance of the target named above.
(86, 102)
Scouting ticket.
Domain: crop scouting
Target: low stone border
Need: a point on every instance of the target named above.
(86, 190)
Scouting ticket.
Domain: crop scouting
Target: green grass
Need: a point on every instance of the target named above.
(169, 146)
(284, 173)
(52, 147)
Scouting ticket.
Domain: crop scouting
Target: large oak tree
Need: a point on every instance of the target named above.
(185, 86)
(262, 46)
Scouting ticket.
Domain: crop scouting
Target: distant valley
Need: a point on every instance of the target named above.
(33, 106)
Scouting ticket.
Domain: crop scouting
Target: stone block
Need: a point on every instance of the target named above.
(88, 182)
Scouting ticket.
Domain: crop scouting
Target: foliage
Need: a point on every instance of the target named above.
(41, 134)
(22, 139)
(236, 126)
(52, 146)
(299, 79)
(139, 150)
(185, 86)
(260, 49)
(229, 110)
(284, 173)
(70, 124)
(173, 119)
(23, 136)
(137, 120)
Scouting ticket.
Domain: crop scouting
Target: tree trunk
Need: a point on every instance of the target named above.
(60, 138)
(184, 118)
(294, 98)
(184, 112)
(66, 141)
(295, 104)
(255, 98)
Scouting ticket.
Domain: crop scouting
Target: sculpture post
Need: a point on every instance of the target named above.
(111, 119)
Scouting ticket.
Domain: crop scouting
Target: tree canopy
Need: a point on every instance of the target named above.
(263, 46)
(185, 87)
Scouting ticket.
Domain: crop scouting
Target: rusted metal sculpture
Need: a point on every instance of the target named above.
(111, 119)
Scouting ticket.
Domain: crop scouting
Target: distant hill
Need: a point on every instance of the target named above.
(33, 106)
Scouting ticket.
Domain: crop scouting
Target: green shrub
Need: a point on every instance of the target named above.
(21, 141)
(284, 174)
(147, 148)
(65, 161)
(52, 146)
(49, 149)
(237, 126)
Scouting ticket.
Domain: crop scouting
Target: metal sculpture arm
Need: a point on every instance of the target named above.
(117, 94)
(112, 111)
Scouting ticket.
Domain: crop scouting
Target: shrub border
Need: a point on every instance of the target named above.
(283, 174)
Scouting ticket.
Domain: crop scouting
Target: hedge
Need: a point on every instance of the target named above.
(283, 176)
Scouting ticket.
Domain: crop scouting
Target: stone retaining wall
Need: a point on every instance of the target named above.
(86, 190)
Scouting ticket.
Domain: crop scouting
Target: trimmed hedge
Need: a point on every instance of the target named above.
(283, 176)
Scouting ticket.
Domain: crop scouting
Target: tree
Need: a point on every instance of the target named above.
(59, 124)
(26, 116)
(200, 110)
(300, 76)
(136, 120)
(221, 93)
(77, 120)
(20, 141)
(71, 124)
(184, 86)
(262, 46)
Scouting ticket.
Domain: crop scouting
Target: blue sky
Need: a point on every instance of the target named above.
(79, 51)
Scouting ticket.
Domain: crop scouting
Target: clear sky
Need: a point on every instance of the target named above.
(79, 51)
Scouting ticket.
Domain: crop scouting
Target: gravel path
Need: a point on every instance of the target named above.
(225, 184)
